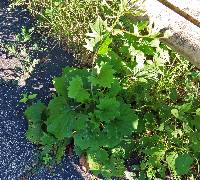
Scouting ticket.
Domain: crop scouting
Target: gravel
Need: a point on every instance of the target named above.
(18, 157)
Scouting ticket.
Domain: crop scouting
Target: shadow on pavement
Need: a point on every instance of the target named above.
(17, 155)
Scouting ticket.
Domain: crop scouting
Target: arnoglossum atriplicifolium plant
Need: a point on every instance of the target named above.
(132, 99)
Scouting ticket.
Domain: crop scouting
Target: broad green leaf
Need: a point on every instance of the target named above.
(34, 116)
(98, 26)
(88, 138)
(115, 89)
(108, 109)
(164, 111)
(76, 90)
(34, 133)
(112, 135)
(142, 44)
(34, 112)
(81, 122)
(150, 120)
(116, 166)
(196, 122)
(61, 83)
(183, 163)
(98, 31)
(129, 120)
(61, 125)
(45, 150)
(101, 155)
(57, 105)
(105, 77)
(157, 152)
(47, 139)
(116, 61)
(142, 25)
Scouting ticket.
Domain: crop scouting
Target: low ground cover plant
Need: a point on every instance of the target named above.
(137, 96)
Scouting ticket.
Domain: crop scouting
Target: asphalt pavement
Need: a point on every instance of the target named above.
(18, 156)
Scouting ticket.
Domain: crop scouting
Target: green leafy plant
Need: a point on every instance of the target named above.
(25, 35)
(137, 96)
(92, 113)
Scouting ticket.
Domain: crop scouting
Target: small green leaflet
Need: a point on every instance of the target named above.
(98, 29)
(104, 46)
(99, 26)
(76, 90)
(175, 113)
(46, 158)
(103, 78)
(183, 163)
(27, 97)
